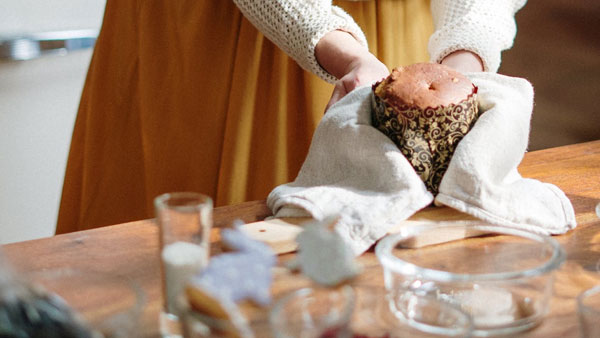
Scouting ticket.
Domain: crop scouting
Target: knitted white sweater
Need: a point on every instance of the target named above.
(485, 27)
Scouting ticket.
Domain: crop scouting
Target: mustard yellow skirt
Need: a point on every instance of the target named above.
(188, 96)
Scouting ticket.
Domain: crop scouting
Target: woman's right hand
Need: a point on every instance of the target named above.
(363, 72)
(345, 58)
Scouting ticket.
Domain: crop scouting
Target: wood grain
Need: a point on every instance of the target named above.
(131, 249)
(280, 233)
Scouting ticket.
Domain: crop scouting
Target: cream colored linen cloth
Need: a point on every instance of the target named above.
(355, 171)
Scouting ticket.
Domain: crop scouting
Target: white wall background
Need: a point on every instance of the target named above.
(38, 103)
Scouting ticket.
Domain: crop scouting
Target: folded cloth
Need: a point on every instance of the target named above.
(482, 178)
(355, 171)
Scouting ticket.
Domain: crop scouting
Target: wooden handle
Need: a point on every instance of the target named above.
(280, 233)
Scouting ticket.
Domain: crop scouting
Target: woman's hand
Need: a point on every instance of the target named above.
(463, 61)
(364, 71)
(340, 54)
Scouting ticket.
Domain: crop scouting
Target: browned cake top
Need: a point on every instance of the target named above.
(424, 85)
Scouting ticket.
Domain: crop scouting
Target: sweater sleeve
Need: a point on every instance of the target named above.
(485, 27)
(296, 26)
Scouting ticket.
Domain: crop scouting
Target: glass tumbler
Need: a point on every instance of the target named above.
(314, 312)
(184, 220)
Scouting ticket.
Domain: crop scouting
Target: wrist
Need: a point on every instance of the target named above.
(338, 52)
(463, 61)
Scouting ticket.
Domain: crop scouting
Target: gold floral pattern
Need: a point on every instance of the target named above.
(427, 138)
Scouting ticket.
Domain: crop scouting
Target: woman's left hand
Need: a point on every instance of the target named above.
(464, 61)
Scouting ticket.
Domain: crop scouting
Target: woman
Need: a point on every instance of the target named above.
(190, 96)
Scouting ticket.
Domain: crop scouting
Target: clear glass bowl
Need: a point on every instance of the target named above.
(375, 316)
(108, 304)
(588, 310)
(503, 278)
(313, 313)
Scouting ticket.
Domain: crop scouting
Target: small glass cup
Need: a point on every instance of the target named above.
(199, 325)
(313, 312)
(184, 220)
(588, 310)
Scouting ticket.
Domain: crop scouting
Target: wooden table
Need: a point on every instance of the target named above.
(132, 248)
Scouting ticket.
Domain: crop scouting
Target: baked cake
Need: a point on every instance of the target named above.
(425, 109)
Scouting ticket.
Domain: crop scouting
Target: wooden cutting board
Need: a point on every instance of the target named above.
(280, 233)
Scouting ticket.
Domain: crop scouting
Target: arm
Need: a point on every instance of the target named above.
(469, 29)
(296, 26)
(345, 58)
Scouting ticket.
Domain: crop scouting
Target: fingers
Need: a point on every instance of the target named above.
(339, 91)
(364, 73)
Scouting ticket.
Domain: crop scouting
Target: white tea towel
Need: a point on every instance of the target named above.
(355, 171)
(482, 178)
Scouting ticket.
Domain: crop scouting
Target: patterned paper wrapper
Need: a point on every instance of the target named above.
(428, 137)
